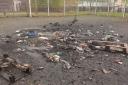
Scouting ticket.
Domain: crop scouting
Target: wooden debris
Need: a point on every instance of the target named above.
(67, 64)
(105, 71)
(40, 68)
(24, 68)
(8, 64)
(118, 62)
(52, 57)
(109, 46)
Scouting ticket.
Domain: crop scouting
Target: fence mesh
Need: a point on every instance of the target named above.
(62, 7)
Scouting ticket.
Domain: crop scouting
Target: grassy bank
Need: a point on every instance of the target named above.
(60, 14)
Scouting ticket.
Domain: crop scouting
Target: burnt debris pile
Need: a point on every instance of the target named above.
(67, 44)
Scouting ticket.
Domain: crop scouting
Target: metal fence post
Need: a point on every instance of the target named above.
(64, 7)
(90, 6)
(124, 8)
(77, 7)
(30, 9)
(108, 7)
(113, 7)
(82, 5)
(48, 7)
(96, 7)
(35, 6)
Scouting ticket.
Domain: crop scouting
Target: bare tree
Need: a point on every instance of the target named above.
(30, 9)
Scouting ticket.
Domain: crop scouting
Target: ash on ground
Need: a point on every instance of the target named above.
(60, 55)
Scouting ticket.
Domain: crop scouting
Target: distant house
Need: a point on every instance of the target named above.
(119, 3)
(115, 5)
(93, 4)
(101, 4)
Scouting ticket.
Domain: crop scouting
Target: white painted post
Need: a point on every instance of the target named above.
(30, 9)
(64, 7)
(48, 7)
(14, 6)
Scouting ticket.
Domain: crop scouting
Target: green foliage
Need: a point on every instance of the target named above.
(53, 3)
(59, 3)
(56, 3)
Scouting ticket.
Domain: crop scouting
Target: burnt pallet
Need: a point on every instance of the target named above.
(110, 46)
(116, 48)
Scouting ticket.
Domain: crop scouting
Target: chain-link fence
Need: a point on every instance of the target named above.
(63, 7)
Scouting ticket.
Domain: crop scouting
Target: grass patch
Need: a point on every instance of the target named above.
(60, 14)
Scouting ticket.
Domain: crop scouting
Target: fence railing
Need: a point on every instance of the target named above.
(63, 7)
